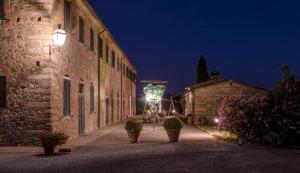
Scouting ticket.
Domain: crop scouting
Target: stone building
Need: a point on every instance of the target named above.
(82, 85)
(204, 99)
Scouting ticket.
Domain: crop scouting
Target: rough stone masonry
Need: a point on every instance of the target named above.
(99, 72)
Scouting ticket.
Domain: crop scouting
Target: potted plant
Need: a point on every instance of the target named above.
(50, 140)
(134, 129)
(190, 119)
(173, 127)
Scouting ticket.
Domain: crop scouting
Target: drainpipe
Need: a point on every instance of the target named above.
(121, 88)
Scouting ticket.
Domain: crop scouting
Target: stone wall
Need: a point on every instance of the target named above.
(205, 101)
(35, 76)
(24, 35)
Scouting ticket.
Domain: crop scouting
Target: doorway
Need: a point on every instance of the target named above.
(81, 106)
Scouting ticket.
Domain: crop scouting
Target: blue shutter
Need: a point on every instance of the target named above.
(67, 17)
(100, 47)
(2, 9)
(92, 46)
(81, 30)
(2, 91)
(67, 97)
(92, 98)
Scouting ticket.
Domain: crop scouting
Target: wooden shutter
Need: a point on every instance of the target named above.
(67, 97)
(100, 47)
(113, 59)
(92, 46)
(2, 91)
(81, 30)
(1, 8)
(92, 98)
(107, 51)
(67, 17)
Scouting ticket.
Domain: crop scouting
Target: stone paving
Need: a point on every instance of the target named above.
(196, 152)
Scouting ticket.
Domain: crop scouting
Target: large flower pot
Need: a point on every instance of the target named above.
(49, 148)
(190, 120)
(173, 135)
(133, 136)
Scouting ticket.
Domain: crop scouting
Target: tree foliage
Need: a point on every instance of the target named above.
(202, 71)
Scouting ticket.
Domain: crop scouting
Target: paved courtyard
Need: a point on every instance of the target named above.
(196, 152)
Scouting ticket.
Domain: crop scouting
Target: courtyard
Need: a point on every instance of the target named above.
(196, 152)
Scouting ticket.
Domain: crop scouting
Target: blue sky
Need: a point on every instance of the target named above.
(246, 40)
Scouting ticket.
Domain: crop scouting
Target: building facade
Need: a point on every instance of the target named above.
(86, 84)
(203, 99)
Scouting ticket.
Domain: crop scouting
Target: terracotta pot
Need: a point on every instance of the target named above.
(133, 136)
(49, 148)
(173, 135)
(190, 120)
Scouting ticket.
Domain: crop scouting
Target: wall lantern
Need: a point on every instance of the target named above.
(59, 36)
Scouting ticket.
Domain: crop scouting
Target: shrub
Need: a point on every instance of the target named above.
(285, 101)
(244, 115)
(134, 125)
(173, 124)
(273, 120)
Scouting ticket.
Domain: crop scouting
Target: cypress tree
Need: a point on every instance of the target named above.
(202, 72)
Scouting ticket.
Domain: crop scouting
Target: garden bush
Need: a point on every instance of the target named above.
(134, 125)
(271, 120)
(245, 116)
(173, 124)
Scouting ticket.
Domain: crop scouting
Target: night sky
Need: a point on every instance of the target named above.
(246, 40)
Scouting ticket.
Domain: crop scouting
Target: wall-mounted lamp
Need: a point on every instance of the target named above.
(59, 37)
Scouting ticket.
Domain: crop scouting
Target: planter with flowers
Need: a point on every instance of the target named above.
(50, 140)
(173, 127)
(134, 129)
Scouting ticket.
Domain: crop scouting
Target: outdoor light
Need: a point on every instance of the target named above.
(217, 120)
(59, 36)
(173, 111)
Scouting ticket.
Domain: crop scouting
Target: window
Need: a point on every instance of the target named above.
(100, 47)
(123, 69)
(92, 98)
(107, 52)
(81, 30)
(113, 59)
(67, 11)
(92, 45)
(118, 65)
(67, 97)
(2, 9)
(2, 91)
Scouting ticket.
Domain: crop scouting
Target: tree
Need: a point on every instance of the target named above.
(202, 72)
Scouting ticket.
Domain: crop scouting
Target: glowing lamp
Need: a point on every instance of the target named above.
(59, 36)
(173, 111)
(216, 120)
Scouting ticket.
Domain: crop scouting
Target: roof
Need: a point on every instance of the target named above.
(218, 81)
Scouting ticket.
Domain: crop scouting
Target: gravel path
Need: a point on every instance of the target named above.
(196, 152)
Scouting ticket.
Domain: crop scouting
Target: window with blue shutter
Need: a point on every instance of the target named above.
(113, 59)
(2, 9)
(92, 98)
(92, 45)
(100, 47)
(2, 91)
(67, 17)
(67, 97)
(81, 30)
(107, 52)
